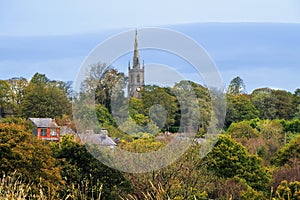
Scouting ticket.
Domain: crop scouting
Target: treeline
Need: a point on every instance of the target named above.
(39, 97)
(263, 103)
(256, 156)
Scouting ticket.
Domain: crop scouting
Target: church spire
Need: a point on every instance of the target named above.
(136, 78)
(136, 55)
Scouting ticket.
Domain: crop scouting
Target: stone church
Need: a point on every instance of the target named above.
(136, 78)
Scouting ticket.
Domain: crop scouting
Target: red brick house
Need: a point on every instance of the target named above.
(46, 128)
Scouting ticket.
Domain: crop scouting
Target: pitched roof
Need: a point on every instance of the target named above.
(64, 130)
(44, 122)
(99, 139)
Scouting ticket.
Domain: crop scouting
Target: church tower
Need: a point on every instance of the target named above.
(136, 79)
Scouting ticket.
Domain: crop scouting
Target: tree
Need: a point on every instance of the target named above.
(187, 178)
(262, 100)
(283, 102)
(288, 154)
(236, 86)
(230, 159)
(44, 100)
(17, 92)
(66, 87)
(4, 98)
(23, 154)
(195, 106)
(106, 83)
(239, 108)
(154, 96)
(273, 104)
(242, 129)
(77, 164)
(39, 79)
(297, 92)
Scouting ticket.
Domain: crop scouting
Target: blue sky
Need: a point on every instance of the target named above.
(54, 37)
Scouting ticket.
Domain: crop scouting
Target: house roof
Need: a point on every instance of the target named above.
(44, 122)
(99, 139)
(64, 130)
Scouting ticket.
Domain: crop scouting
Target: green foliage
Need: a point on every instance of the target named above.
(39, 79)
(44, 100)
(236, 86)
(230, 159)
(136, 106)
(289, 153)
(242, 130)
(4, 91)
(283, 101)
(106, 84)
(152, 96)
(22, 153)
(239, 108)
(272, 129)
(251, 194)
(288, 191)
(187, 178)
(189, 106)
(28, 126)
(78, 164)
(132, 126)
(11, 95)
(292, 126)
(105, 119)
(273, 104)
(142, 145)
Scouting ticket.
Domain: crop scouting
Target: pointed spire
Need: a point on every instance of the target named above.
(136, 55)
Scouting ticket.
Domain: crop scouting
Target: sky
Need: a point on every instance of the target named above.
(54, 37)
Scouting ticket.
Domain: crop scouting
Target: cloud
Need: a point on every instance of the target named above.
(58, 17)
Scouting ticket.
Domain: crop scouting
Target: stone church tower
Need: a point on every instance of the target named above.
(136, 80)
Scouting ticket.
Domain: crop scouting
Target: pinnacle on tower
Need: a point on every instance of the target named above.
(136, 55)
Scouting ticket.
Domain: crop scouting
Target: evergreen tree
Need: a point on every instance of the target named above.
(237, 86)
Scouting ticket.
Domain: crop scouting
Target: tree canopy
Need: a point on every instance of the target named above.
(236, 86)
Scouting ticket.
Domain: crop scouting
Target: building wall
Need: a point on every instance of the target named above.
(48, 136)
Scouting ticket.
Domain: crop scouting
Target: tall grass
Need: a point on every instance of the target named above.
(156, 193)
(14, 188)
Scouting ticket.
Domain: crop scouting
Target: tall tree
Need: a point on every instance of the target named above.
(17, 92)
(42, 99)
(297, 92)
(105, 83)
(230, 159)
(158, 101)
(288, 154)
(274, 104)
(39, 79)
(239, 108)
(65, 86)
(4, 98)
(237, 86)
(263, 101)
(22, 153)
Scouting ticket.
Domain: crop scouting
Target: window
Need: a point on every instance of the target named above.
(43, 132)
(138, 78)
(53, 132)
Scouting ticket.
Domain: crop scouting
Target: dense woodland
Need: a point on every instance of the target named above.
(257, 155)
